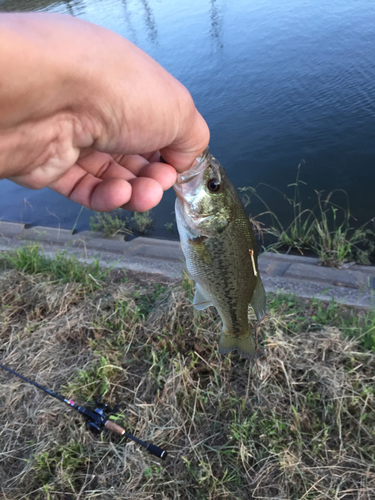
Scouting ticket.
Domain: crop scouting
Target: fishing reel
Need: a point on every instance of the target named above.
(97, 419)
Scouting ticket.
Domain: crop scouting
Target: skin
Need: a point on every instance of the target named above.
(86, 113)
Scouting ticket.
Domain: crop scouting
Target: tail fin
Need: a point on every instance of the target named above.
(245, 345)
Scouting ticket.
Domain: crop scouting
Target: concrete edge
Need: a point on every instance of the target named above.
(163, 258)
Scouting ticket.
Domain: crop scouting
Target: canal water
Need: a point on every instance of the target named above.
(279, 83)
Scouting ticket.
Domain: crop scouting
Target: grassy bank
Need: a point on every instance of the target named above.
(299, 425)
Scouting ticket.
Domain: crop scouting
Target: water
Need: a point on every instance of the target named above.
(277, 82)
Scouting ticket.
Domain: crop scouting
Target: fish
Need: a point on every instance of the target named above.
(220, 251)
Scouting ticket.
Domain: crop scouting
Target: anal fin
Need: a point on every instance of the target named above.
(258, 302)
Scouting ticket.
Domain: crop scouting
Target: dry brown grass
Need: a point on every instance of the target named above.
(301, 428)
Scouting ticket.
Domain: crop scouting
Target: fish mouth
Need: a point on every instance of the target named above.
(196, 169)
(198, 166)
(191, 175)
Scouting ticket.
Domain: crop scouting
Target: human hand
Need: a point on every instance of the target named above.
(85, 112)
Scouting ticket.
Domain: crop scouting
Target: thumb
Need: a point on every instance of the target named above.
(193, 138)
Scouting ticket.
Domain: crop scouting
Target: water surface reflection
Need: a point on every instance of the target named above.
(277, 82)
(68, 6)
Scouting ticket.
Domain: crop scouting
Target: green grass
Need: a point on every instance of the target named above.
(65, 459)
(63, 267)
(169, 226)
(94, 382)
(313, 315)
(299, 425)
(146, 301)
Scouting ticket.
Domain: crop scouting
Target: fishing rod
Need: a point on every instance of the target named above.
(97, 419)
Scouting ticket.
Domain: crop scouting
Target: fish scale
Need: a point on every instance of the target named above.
(216, 237)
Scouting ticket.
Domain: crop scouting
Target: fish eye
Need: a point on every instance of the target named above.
(213, 185)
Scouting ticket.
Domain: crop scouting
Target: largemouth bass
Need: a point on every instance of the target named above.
(220, 250)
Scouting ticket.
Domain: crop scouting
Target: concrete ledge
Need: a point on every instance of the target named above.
(360, 298)
(47, 234)
(303, 276)
(11, 229)
(344, 278)
(154, 248)
(299, 275)
(290, 266)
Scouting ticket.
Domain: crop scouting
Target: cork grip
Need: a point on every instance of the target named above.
(111, 426)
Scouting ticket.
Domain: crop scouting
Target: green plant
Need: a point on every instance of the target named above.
(97, 379)
(110, 223)
(142, 221)
(77, 218)
(338, 242)
(67, 457)
(169, 226)
(327, 228)
(145, 301)
(299, 233)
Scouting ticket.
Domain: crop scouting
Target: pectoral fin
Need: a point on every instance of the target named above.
(200, 301)
(200, 249)
(258, 302)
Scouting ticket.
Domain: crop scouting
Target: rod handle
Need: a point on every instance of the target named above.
(158, 452)
(111, 426)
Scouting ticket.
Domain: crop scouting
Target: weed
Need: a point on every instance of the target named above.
(326, 229)
(115, 222)
(338, 241)
(67, 457)
(169, 226)
(76, 221)
(95, 381)
(110, 223)
(146, 301)
(142, 221)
